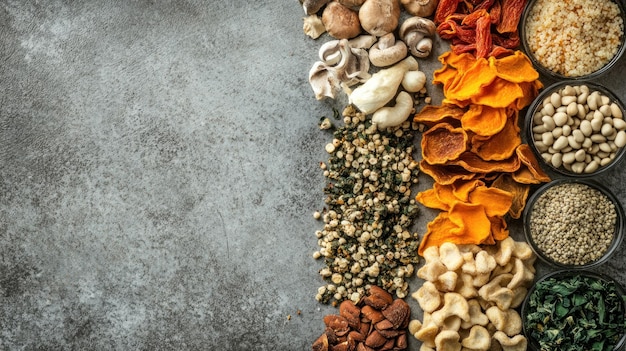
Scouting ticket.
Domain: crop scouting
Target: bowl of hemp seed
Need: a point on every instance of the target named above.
(574, 223)
(576, 39)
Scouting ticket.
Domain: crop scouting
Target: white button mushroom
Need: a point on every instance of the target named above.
(417, 33)
(387, 51)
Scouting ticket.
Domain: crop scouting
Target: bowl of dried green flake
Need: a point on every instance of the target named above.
(575, 310)
(574, 223)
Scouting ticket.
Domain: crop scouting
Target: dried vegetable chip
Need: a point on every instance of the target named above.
(509, 81)
(520, 193)
(484, 120)
(472, 213)
(501, 145)
(443, 143)
(474, 142)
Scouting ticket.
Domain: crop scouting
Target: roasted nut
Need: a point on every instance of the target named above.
(349, 311)
(337, 323)
(398, 313)
(321, 344)
(375, 339)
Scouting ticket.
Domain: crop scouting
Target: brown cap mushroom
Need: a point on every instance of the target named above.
(417, 33)
(379, 17)
(351, 3)
(312, 6)
(340, 21)
(422, 8)
(387, 51)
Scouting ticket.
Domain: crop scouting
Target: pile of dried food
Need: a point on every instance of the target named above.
(474, 274)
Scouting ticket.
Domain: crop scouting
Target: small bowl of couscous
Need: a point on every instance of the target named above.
(574, 223)
(577, 39)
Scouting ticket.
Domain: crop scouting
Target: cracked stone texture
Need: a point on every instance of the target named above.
(158, 171)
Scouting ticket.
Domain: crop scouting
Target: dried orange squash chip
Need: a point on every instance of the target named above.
(527, 158)
(518, 190)
(499, 229)
(463, 189)
(500, 93)
(438, 231)
(471, 222)
(473, 163)
(447, 174)
(442, 143)
(484, 120)
(515, 68)
(470, 81)
(431, 115)
(497, 202)
(500, 146)
(431, 199)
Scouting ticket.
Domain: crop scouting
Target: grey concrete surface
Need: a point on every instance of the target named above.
(158, 172)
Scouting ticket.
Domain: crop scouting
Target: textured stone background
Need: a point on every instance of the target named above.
(158, 171)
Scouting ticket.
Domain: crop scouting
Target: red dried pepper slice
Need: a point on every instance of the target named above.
(496, 12)
(483, 37)
(511, 13)
(445, 8)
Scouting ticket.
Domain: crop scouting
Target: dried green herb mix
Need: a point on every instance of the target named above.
(577, 313)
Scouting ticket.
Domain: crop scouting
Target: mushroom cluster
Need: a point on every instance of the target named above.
(367, 35)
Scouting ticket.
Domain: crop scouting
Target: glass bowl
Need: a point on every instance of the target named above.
(568, 223)
(566, 133)
(542, 52)
(534, 299)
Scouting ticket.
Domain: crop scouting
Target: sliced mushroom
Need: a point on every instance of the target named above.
(340, 66)
(417, 32)
(313, 26)
(387, 51)
(363, 42)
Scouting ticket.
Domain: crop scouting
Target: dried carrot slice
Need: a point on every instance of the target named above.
(484, 120)
(447, 174)
(520, 193)
(443, 143)
(500, 146)
(472, 163)
(431, 115)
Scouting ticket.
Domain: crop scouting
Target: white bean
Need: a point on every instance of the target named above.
(616, 111)
(555, 99)
(620, 139)
(560, 143)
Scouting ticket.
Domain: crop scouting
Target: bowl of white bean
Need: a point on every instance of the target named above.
(573, 223)
(577, 128)
(575, 39)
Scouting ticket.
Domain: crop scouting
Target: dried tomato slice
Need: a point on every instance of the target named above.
(445, 8)
(483, 37)
(511, 13)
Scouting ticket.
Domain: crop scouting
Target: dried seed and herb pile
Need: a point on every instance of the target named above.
(366, 238)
